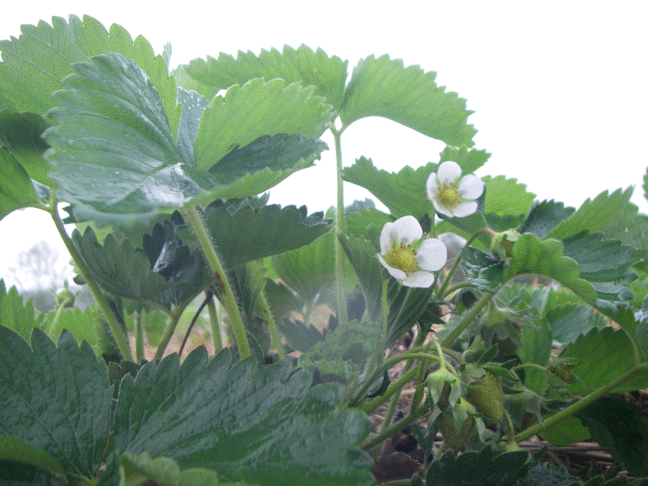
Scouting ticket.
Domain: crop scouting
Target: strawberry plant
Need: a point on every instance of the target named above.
(468, 317)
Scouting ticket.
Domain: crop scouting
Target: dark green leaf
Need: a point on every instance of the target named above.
(626, 434)
(568, 321)
(118, 267)
(327, 74)
(409, 96)
(253, 110)
(16, 188)
(21, 134)
(482, 269)
(543, 474)
(242, 423)
(602, 356)
(13, 449)
(544, 217)
(300, 336)
(536, 348)
(566, 432)
(55, 398)
(343, 352)
(599, 260)
(406, 306)
(477, 468)
(251, 234)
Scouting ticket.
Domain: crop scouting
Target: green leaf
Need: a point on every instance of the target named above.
(21, 134)
(545, 216)
(17, 315)
(627, 434)
(536, 348)
(81, 323)
(13, 449)
(601, 356)
(343, 352)
(55, 398)
(35, 63)
(300, 336)
(362, 255)
(16, 188)
(118, 267)
(164, 471)
(543, 474)
(409, 96)
(482, 269)
(403, 193)
(594, 215)
(251, 234)
(253, 110)
(472, 468)
(566, 432)
(645, 184)
(327, 74)
(468, 159)
(244, 424)
(568, 321)
(506, 196)
(530, 255)
(307, 270)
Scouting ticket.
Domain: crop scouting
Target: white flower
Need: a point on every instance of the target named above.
(451, 194)
(408, 257)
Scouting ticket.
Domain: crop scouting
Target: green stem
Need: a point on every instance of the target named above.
(139, 338)
(272, 326)
(229, 301)
(169, 330)
(118, 333)
(582, 403)
(215, 324)
(52, 325)
(391, 390)
(468, 318)
(384, 434)
(339, 228)
(511, 429)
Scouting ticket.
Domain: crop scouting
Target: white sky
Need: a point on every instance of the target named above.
(558, 87)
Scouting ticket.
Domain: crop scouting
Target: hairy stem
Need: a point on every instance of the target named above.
(339, 228)
(468, 318)
(272, 326)
(229, 301)
(116, 330)
(215, 324)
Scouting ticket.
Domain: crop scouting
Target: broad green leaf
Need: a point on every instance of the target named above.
(253, 110)
(17, 315)
(55, 398)
(406, 307)
(20, 134)
(482, 269)
(468, 159)
(599, 260)
(193, 106)
(35, 63)
(307, 270)
(472, 468)
(164, 471)
(16, 188)
(118, 267)
(536, 349)
(568, 321)
(362, 255)
(626, 434)
(343, 352)
(13, 449)
(251, 234)
(506, 196)
(300, 336)
(602, 355)
(244, 424)
(327, 74)
(545, 216)
(403, 193)
(409, 96)
(530, 255)
(594, 215)
(566, 432)
(81, 323)
(366, 222)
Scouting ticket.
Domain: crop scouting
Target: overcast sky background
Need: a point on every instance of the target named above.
(559, 88)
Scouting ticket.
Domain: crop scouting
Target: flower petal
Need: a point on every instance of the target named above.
(464, 209)
(408, 230)
(449, 172)
(441, 209)
(394, 272)
(432, 186)
(432, 255)
(419, 279)
(471, 186)
(388, 235)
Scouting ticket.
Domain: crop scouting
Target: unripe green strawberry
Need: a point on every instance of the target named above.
(498, 327)
(487, 396)
(457, 425)
(443, 388)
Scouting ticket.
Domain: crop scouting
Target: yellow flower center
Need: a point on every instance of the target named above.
(401, 257)
(448, 196)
